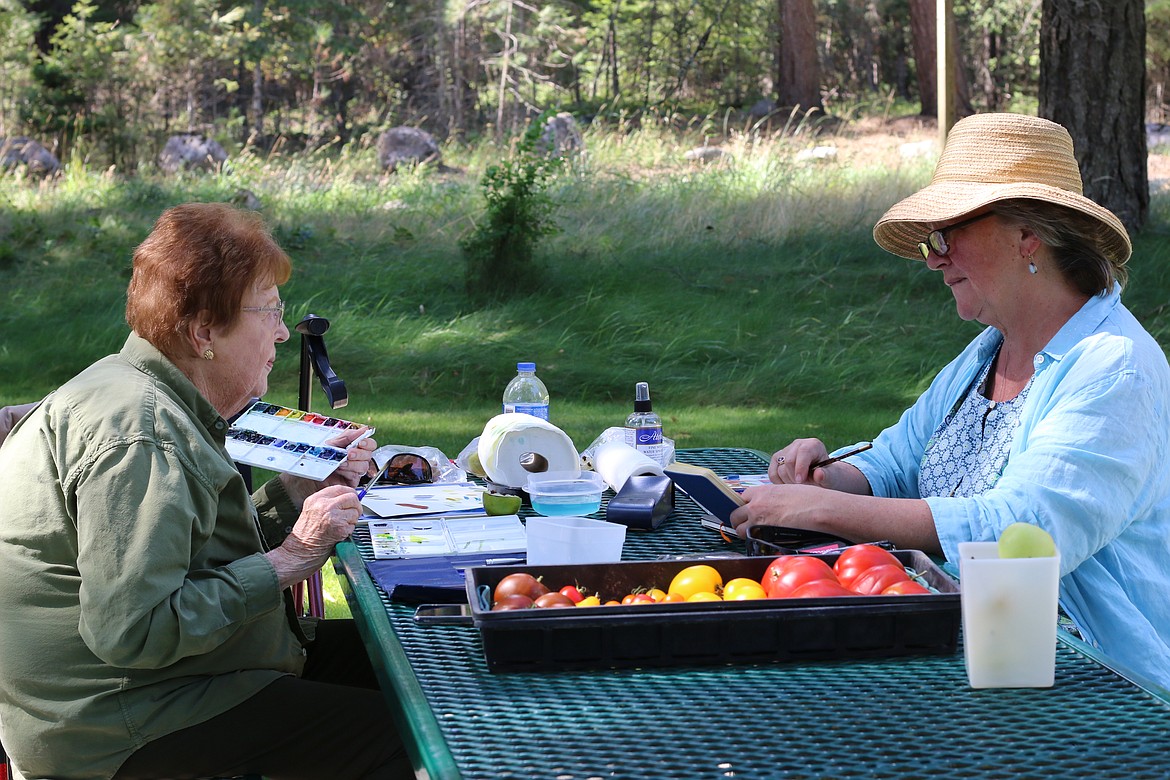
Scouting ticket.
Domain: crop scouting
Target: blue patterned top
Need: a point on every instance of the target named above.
(969, 450)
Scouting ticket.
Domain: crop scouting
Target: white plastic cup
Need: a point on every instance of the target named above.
(1009, 617)
(553, 541)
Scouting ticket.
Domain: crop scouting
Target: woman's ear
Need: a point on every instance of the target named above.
(1030, 243)
(200, 332)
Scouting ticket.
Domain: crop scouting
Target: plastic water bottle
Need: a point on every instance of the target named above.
(644, 427)
(526, 394)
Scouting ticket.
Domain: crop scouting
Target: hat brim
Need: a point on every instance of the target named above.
(908, 221)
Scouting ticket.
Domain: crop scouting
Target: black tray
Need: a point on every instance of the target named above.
(762, 630)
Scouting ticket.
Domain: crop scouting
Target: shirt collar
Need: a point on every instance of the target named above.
(1084, 323)
(147, 358)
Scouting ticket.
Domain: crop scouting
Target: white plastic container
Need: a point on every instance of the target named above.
(553, 541)
(1009, 617)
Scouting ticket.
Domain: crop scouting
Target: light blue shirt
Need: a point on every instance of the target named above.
(1089, 463)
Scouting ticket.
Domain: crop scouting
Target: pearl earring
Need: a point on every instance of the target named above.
(1031, 264)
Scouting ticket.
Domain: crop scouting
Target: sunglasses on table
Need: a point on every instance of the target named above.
(936, 241)
(405, 468)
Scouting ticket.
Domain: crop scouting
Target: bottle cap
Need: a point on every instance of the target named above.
(642, 397)
(525, 366)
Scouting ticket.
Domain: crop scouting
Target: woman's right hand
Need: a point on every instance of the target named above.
(790, 466)
(327, 517)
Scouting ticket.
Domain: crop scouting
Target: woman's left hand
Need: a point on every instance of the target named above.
(359, 463)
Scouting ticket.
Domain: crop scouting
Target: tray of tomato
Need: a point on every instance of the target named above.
(862, 601)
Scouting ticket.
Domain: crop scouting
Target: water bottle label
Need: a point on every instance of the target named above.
(645, 437)
(536, 410)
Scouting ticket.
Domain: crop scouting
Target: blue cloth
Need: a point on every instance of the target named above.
(1089, 463)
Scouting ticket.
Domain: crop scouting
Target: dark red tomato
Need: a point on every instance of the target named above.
(876, 579)
(573, 592)
(821, 589)
(554, 599)
(789, 572)
(513, 601)
(856, 559)
(906, 588)
(520, 582)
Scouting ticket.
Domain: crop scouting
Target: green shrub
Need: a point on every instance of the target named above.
(499, 252)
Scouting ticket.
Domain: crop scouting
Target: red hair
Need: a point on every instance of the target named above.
(199, 256)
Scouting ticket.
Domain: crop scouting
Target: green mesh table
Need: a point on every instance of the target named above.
(895, 718)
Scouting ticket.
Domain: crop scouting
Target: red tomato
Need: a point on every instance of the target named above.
(513, 601)
(520, 582)
(906, 588)
(554, 599)
(876, 579)
(819, 589)
(573, 593)
(789, 572)
(856, 559)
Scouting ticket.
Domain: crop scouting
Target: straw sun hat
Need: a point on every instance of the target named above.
(990, 158)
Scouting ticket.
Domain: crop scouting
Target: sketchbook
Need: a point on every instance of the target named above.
(433, 498)
(706, 488)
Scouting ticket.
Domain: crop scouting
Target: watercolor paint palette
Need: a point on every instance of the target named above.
(447, 536)
(278, 438)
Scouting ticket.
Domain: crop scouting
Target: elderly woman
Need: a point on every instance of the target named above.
(148, 630)
(1055, 415)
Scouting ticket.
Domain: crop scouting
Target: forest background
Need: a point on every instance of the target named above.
(747, 291)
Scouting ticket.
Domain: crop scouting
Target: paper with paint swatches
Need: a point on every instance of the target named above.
(278, 438)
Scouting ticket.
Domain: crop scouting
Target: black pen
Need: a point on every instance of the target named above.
(843, 455)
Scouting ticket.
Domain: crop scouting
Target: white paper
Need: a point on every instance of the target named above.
(436, 498)
(616, 462)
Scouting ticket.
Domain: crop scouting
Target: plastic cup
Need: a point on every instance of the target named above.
(1009, 617)
(553, 541)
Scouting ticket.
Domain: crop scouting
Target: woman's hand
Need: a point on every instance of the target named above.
(793, 465)
(358, 463)
(791, 506)
(327, 517)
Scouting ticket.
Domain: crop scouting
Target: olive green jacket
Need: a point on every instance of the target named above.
(135, 599)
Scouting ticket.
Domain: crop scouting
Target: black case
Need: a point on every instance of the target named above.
(642, 503)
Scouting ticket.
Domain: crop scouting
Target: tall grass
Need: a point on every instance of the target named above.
(748, 292)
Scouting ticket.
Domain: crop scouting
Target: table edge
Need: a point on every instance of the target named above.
(428, 749)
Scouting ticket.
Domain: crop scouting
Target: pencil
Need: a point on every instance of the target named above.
(843, 455)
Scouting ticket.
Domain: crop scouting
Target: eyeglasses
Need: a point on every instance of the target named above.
(278, 309)
(405, 468)
(937, 241)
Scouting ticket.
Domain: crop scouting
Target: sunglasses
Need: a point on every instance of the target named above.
(405, 468)
(937, 241)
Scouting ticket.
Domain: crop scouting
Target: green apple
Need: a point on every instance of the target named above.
(500, 503)
(1024, 540)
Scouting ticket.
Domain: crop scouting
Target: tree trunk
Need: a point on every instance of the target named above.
(1092, 81)
(800, 74)
(923, 24)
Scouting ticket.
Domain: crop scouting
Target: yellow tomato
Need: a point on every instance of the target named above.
(589, 601)
(742, 589)
(704, 595)
(700, 578)
(658, 594)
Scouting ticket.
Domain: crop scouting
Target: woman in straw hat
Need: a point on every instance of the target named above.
(1055, 415)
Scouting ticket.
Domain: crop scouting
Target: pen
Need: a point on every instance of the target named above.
(366, 488)
(835, 458)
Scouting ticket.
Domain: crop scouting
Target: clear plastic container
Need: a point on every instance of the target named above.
(526, 394)
(565, 493)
